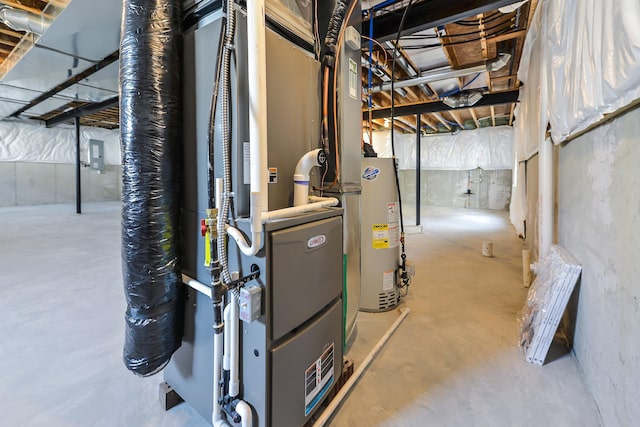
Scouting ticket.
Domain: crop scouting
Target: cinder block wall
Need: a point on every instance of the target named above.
(24, 183)
(599, 223)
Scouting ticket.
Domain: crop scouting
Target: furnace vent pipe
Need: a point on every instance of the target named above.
(257, 117)
(257, 62)
(301, 175)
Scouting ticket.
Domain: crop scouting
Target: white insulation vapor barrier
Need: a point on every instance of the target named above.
(580, 61)
(589, 52)
(26, 142)
(487, 148)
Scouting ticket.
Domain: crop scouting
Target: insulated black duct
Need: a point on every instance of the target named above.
(151, 134)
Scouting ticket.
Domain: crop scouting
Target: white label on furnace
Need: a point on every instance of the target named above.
(387, 280)
(246, 157)
(353, 79)
(318, 379)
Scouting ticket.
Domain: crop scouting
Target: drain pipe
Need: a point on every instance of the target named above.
(257, 125)
(301, 175)
(346, 388)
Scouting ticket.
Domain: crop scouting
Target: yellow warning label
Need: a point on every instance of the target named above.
(380, 236)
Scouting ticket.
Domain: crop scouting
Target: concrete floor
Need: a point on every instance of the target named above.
(453, 362)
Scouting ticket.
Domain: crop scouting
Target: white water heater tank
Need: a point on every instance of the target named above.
(380, 235)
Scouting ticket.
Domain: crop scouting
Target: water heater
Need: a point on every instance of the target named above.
(380, 235)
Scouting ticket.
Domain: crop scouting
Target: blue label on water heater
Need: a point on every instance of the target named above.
(370, 173)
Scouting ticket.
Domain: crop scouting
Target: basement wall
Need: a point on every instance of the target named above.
(598, 222)
(491, 188)
(24, 183)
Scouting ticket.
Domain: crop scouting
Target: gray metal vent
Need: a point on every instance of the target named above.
(387, 300)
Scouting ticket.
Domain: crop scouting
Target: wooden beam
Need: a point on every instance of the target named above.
(456, 118)
(493, 116)
(513, 107)
(8, 42)
(475, 117)
(16, 5)
(441, 120)
(502, 78)
(507, 36)
(426, 121)
(429, 14)
(11, 33)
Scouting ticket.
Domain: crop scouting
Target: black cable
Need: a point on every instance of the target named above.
(428, 46)
(470, 33)
(494, 14)
(477, 23)
(404, 277)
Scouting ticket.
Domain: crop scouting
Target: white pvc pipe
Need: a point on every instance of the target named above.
(244, 410)
(193, 283)
(526, 268)
(234, 346)
(226, 355)
(545, 200)
(301, 177)
(337, 400)
(247, 249)
(256, 45)
(217, 416)
(320, 202)
(545, 173)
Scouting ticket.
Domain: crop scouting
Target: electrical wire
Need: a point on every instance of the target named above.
(454, 91)
(436, 45)
(435, 36)
(386, 54)
(405, 281)
(480, 21)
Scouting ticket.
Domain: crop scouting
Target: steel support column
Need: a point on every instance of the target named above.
(418, 151)
(78, 189)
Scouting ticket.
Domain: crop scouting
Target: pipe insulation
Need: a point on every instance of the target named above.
(151, 130)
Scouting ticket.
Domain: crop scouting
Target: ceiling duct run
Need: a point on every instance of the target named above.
(445, 73)
(21, 20)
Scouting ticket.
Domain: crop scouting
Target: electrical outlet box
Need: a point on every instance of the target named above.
(250, 303)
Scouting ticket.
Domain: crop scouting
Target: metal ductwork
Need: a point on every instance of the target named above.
(463, 99)
(445, 73)
(21, 20)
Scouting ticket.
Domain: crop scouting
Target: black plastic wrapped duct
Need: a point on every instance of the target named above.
(151, 131)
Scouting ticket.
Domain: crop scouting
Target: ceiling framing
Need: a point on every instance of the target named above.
(464, 33)
(469, 33)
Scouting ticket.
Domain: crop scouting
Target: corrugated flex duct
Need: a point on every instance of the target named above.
(151, 134)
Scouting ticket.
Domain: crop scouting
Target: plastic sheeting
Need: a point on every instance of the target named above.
(589, 53)
(581, 60)
(486, 148)
(151, 126)
(30, 142)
